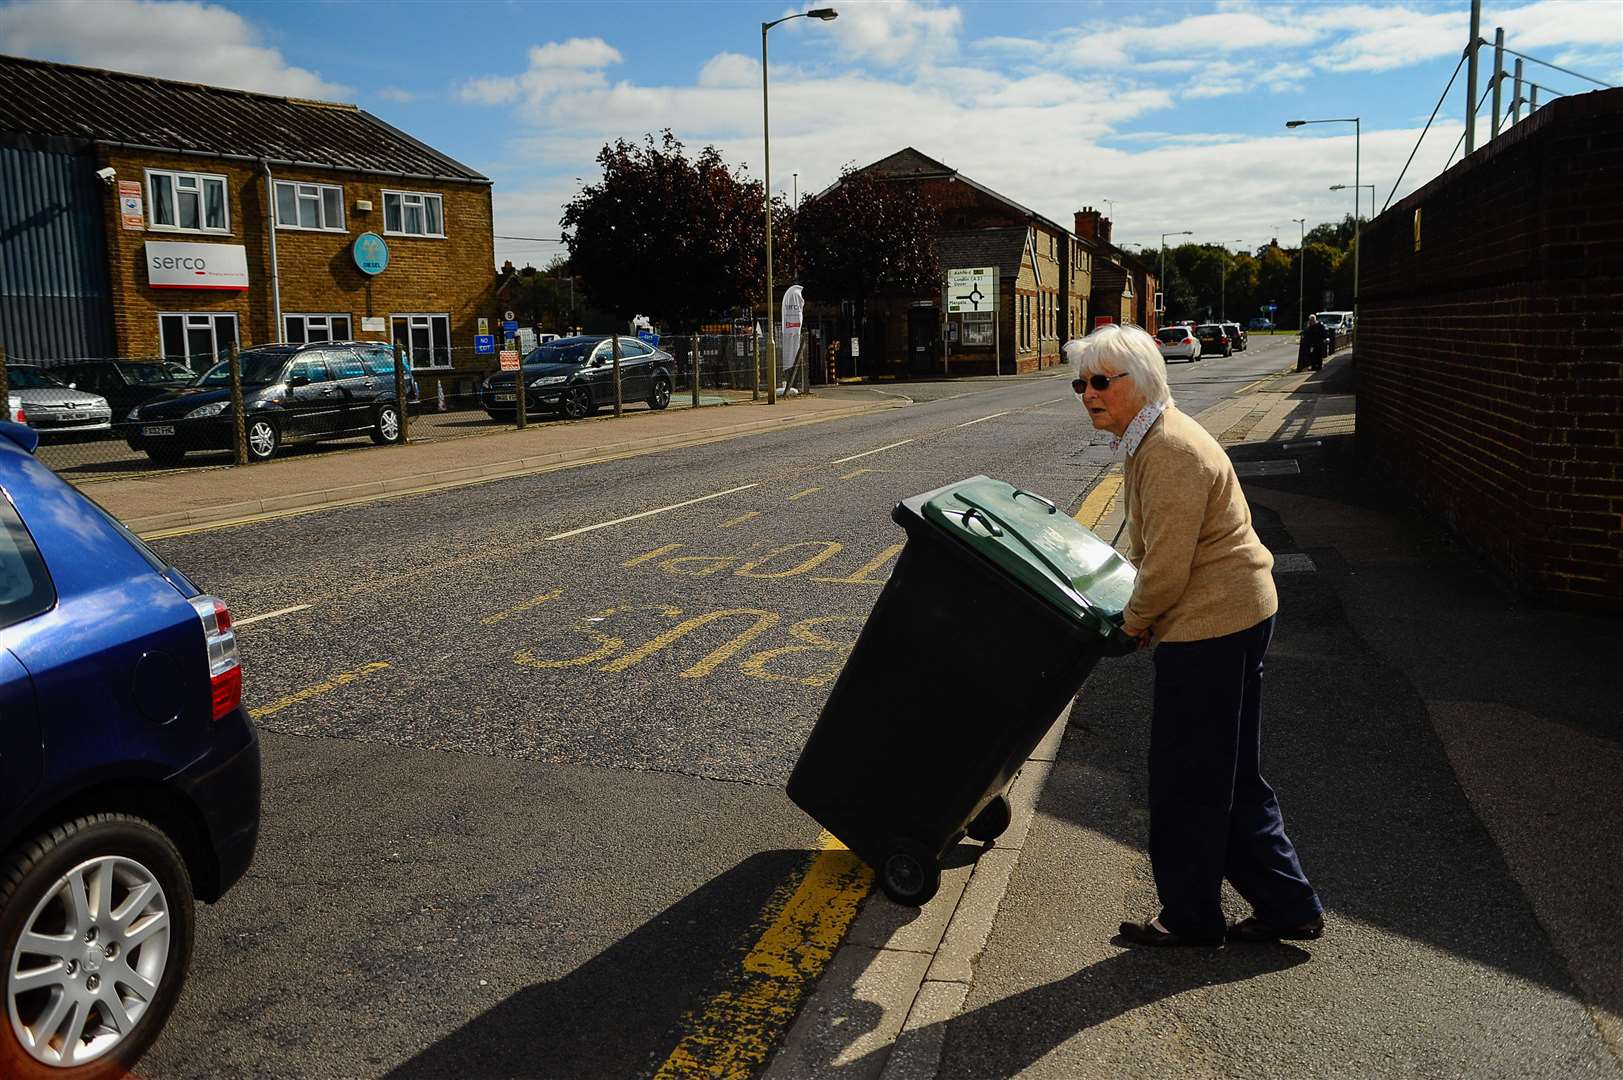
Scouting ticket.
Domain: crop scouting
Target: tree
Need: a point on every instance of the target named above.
(866, 236)
(673, 237)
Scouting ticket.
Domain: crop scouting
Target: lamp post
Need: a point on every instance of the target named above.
(1371, 187)
(1301, 282)
(1358, 218)
(1163, 276)
(824, 14)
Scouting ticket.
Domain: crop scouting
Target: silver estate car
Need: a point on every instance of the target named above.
(56, 408)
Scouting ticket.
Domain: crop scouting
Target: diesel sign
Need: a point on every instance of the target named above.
(196, 266)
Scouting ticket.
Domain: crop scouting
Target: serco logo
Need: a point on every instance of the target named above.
(180, 262)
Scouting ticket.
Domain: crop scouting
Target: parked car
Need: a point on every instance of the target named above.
(129, 776)
(1214, 339)
(1177, 343)
(1260, 323)
(291, 393)
(125, 383)
(53, 407)
(1237, 335)
(575, 375)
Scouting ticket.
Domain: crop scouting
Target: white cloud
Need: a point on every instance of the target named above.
(196, 42)
(730, 69)
(901, 32)
(556, 67)
(397, 95)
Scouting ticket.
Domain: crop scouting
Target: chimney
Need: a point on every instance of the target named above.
(1087, 224)
(1104, 229)
(507, 268)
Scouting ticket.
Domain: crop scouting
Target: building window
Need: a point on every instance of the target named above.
(309, 206)
(304, 329)
(426, 340)
(412, 213)
(188, 202)
(197, 339)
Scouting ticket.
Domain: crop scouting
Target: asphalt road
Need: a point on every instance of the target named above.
(525, 742)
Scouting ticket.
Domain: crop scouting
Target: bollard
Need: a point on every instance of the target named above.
(694, 366)
(521, 403)
(402, 405)
(239, 420)
(615, 347)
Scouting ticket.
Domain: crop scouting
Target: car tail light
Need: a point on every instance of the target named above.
(225, 674)
(21, 417)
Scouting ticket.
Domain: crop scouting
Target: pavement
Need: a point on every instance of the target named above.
(1447, 759)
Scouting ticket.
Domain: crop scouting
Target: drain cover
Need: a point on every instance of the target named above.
(1275, 467)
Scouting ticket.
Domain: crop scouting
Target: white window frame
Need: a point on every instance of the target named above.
(301, 191)
(422, 198)
(425, 320)
(322, 317)
(202, 179)
(213, 328)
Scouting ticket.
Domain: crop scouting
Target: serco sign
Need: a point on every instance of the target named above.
(196, 266)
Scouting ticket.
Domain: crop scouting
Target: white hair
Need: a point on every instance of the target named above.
(1122, 348)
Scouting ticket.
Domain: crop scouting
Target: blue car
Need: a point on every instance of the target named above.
(129, 776)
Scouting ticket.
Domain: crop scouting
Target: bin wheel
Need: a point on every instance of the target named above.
(909, 875)
(992, 821)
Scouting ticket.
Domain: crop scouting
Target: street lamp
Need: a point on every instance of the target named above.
(1358, 226)
(1301, 284)
(1163, 277)
(1344, 187)
(825, 14)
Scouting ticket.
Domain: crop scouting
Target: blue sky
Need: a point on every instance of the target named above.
(1172, 111)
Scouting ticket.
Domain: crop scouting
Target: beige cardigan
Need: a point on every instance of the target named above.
(1202, 571)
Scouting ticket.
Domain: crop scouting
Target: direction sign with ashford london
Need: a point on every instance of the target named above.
(972, 289)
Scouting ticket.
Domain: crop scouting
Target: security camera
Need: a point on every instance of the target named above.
(108, 175)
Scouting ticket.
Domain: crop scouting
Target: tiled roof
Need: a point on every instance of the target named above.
(39, 98)
(1003, 248)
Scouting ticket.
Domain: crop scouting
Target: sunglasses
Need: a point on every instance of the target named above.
(1098, 382)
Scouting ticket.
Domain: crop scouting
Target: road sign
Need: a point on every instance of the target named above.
(972, 289)
(509, 359)
(510, 328)
(508, 315)
(484, 327)
(484, 343)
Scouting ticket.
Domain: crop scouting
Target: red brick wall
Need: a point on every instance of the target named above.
(1491, 360)
(454, 275)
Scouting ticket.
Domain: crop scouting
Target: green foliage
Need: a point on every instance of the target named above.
(865, 236)
(1205, 281)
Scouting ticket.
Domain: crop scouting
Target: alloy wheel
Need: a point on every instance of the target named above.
(88, 962)
(262, 438)
(389, 425)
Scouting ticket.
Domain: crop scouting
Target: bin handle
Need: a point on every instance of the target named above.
(992, 525)
(987, 516)
(1052, 509)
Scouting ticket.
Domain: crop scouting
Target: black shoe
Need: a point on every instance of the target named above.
(1145, 933)
(1254, 931)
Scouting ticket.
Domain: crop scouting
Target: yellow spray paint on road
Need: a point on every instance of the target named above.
(736, 1030)
(318, 689)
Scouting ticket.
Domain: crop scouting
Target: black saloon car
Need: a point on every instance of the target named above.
(291, 393)
(125, 383)
(1214, 340)
(575, 375)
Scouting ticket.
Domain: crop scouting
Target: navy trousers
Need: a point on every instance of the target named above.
(1212, 815)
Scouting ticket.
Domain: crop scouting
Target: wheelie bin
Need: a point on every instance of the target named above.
(997, 610)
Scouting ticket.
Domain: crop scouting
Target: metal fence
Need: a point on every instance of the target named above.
(104, 418)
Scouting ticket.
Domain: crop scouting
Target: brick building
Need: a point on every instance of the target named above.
(138, 221)
(1043, 281)
(1124, 286)
(1490, 349)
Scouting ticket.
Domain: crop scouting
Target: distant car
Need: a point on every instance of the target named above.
(1237, 335)
(1214, 340)
(291, 393)
(125, 383)
(1260, 324)
(53, 407)
(1177, 343)
(129, 776)
(575, 375)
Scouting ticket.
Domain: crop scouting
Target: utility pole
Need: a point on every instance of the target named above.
(1498, 73)
(1301, 284)
(1470, 76)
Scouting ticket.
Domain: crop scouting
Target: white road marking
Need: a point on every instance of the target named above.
(994, 416)
(865, 453)
(649, 513)
(270, 615)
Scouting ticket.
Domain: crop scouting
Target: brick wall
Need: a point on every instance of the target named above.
(453, 276)
(1491, 359)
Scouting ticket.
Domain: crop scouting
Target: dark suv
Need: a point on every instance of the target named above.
(291, 393)
(129, 776)
(574, 375)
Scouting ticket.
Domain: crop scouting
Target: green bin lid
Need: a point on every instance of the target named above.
(1028, 538)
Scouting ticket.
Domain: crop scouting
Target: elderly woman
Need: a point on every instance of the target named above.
(1205, 599)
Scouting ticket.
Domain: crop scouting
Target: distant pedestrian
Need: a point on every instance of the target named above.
(1205, 599)
(1308, 350)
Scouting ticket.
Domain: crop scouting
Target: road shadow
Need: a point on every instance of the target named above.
(620, 1013)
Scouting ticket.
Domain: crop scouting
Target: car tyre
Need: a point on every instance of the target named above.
(167, 457)
(660, 395)
(577, 403)
(386, 426)
(145, 936)
(264, 438)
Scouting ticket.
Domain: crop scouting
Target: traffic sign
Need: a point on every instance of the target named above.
(484, 327)
(510, 328)
(508, 315)
(972, 289)
(484, 343)
(509, 359)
